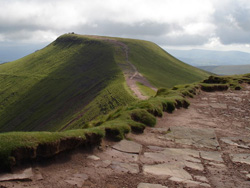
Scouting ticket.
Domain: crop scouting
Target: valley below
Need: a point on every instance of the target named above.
(206, 145)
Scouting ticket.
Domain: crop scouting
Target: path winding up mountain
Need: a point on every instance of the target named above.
(130, 72)
(207, 145)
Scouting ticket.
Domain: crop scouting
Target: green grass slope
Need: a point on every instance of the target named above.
(159, 67)
(73, 77)
(77, 78)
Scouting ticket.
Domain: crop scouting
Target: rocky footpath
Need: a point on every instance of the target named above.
(207, 145)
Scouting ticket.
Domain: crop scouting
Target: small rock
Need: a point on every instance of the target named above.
(148, 185)
(201, 178)
(25, 175)
(248, 177)
(93, 157)
(125, 167)
(128, 147)
(77, 180)
(174, 170)
(244, 172)
(211, 156)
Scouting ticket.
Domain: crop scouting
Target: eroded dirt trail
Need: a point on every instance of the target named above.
(130, 72)
(207, 145)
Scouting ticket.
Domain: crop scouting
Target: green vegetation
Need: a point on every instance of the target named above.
(18, 146)
(159, 67)
(146, 91)
(225, 82)
(73, 78)
(77, 78)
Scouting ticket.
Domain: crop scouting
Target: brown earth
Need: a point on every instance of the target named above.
(206, 145)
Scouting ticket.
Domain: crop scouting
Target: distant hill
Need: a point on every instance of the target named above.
(10, 52)
(211, 58)
(77, 78)
(227, 70)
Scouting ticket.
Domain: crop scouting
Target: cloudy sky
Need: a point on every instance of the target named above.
(176, 24)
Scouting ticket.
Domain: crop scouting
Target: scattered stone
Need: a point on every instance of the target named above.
(172, 170)
(205, 185)
(118, 155)
(211, 156)
(241, 158)
(148, 185)
(201, 179)
(38, 176)
(244, 172)
(125, 167)
(189, 183)
(77, 180)
(248, 177)
(128, 147)
(219, 106)
(25, 175)
(195, 166)
(106, 163)
(217, 165)
(182, 157)
(228, 141)
(93, 157)
(196, 137)
(155, 148)
(233, 141)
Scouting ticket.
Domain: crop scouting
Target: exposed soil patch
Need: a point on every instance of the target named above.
(162, 156)
(129, 70)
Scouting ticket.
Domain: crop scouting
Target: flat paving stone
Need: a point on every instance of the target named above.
(189, 183)
(26, 174)
(219, 106)
(241, 158)
(241, 142)
(128, 147)
(204, 138)
(173, 170)
(201, 178)
(211, 156)
(125, 167)
(149, 185)
(118, 155)
(179, 157)
(77, 180)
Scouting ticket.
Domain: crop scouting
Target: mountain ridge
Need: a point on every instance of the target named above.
(77, 78)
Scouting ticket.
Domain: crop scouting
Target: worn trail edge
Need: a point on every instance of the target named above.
(207, 145)
(130, 72)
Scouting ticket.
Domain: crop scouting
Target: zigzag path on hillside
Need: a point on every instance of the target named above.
(130, 72)
(206, 145)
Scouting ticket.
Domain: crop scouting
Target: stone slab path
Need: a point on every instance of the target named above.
(207, 145)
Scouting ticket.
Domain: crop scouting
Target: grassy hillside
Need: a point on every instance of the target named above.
(77, 78)
(227, 70)
(71, 77)
(19, 146)
(159, 67)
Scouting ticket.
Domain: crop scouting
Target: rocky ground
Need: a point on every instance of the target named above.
(207, 145)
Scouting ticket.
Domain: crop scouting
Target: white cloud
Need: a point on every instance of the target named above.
(178, 22)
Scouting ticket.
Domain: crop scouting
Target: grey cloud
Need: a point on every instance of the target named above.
(146, 30)
(143, 28)
(233, 24)
(181, 40)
